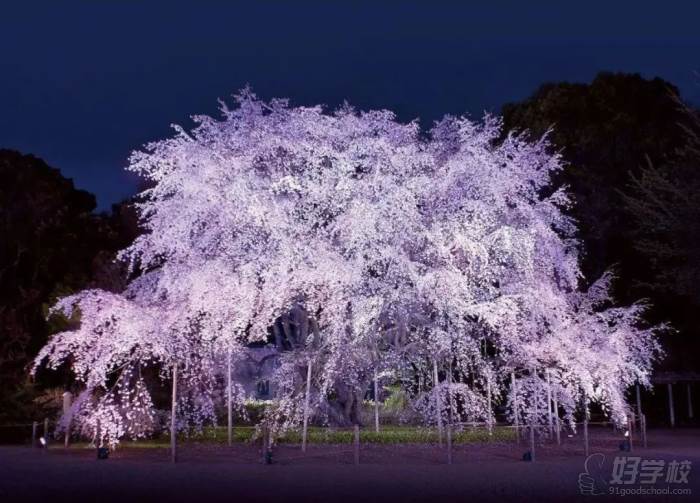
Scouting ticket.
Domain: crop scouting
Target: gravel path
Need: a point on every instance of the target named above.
(407, 473)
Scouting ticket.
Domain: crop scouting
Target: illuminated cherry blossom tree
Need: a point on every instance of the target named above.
(444, 259)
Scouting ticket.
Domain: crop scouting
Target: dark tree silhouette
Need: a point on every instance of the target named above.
(605, 130)
(52, 244)
(664, 202)
(608, 132)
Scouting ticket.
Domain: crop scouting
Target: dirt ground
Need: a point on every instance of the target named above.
(327, 473)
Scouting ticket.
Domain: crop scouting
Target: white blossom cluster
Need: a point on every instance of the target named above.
(400, 251)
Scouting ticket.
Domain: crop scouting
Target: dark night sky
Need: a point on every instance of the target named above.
(84, 83)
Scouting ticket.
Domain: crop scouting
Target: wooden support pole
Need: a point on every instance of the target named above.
(438, 402)
(307, 399)
(585, 424)
(516, 412)
(267, 446)
(449, 443)
(630, 422)
(557, 424)
(639, 401)
(357, 444)
(671, 414)
(490, 407)
(450, 415)
(535, 406)
(376, 401)
(690, 401)
(450, 400)
(35, 426)
(67, 399)
(264, 443)
(46, 431)
(550, 422)
(532, 442)
(644, 430)
(173, 419)
(229, 402)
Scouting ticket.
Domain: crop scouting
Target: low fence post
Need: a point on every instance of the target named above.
(35, 425)
(46, 431)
